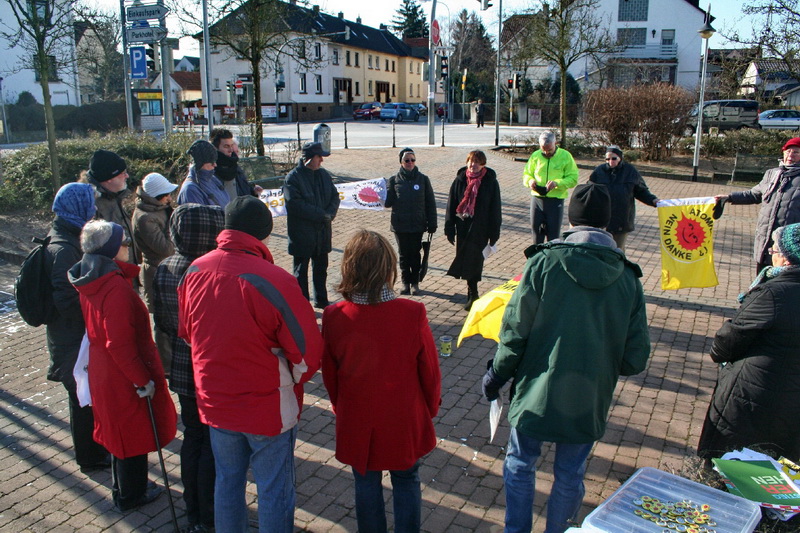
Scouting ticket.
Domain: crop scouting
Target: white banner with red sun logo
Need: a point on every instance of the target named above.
(362, 194)
(686, 232)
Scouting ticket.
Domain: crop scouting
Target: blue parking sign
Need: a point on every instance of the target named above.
(138, 63)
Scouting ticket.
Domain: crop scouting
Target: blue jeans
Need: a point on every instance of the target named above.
(519, 474)
(272, 461)
(407, 496)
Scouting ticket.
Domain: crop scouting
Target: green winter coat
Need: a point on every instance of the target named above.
(575, 324)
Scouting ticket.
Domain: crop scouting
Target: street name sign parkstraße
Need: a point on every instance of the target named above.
(146, 35)
(146, 12)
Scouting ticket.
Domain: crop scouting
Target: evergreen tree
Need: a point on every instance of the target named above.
(473, 51)
(410, 20)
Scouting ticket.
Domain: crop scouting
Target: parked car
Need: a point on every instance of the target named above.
(779, 119)
(399, 112)
(725, 115)
(367, 111)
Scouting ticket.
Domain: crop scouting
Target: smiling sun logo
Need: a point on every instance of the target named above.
(690, 233)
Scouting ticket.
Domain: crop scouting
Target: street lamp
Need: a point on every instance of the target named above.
(705, 33)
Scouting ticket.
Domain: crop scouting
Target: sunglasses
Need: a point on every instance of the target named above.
(409, 160)
(612, 158)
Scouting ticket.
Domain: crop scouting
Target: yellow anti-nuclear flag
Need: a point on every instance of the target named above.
(686, 231)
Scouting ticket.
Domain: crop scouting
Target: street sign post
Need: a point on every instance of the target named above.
(138, 63)
(152, 34)
(146, 12)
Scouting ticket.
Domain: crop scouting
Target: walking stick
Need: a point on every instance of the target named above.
(163, 466)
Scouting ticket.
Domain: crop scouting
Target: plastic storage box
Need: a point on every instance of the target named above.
(623, 512)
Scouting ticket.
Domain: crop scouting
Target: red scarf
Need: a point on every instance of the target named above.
(466, 209)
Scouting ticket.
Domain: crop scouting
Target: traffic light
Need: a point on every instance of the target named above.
(485, 4)
(510, 83)
(516, 80)
(444, 67)
(425, 70)
(150, 52)
(438, 65)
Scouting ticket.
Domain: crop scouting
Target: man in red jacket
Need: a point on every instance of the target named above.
(254, 341)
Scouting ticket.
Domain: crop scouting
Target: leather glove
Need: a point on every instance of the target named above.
(492, 383)
(541, 191)
(719, 207)
(147, 391)
(451, 239)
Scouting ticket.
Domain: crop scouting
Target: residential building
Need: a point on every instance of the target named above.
(658, 41)
(769, 78)
(19, 76)
(324, 74)
(186, 91)
(187, 64)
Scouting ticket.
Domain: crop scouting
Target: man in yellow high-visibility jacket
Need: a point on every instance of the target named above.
(549, 174)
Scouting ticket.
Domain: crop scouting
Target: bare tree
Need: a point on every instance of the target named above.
(44, 30)
(562, 35)
(259, 31)
(99, 60)
(473, 51)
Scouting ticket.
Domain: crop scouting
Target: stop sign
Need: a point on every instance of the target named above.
(239, 84)
(435, 33)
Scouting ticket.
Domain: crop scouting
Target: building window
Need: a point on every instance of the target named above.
(377, 63)
(150, 108)
(369, 87)
(418, 90)
(632, 36)
(393, 66)
(52, 72)
(418, 67)
(393, 94)
(369, 61)
(357, 58)
(347, 58)
(411, 67)
(301, 49)
(410, 90)
(216, 84)
(667, 37)
(318, 83)
(335, 56)
(358, 89)
(632, 10)
(317, 51)
(303, 88)
(387, 65)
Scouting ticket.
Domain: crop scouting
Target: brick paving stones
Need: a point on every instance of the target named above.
(655, 419)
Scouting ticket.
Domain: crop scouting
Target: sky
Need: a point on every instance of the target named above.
(727, 13)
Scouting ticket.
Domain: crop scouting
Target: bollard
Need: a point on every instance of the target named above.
(345, 135)
(298, 135)
(443, 134)
(394, 144)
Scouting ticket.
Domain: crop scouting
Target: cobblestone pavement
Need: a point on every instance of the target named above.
(655, 420)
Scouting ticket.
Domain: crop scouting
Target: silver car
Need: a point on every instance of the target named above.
(399, 112)
(779, 119)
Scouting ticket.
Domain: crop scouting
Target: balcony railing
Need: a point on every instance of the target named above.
(649, 51)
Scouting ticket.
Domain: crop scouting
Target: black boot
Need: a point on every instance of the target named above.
(472, 294)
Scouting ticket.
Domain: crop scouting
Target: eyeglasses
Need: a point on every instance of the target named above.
(612, 158)
(774, 251)
(409, 160)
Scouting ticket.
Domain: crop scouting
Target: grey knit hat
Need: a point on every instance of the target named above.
(202, 152)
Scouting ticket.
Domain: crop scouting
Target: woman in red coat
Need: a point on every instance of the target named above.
(124, 367)
(381, 369)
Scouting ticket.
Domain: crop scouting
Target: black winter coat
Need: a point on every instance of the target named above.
(473, 234)
(311, 204)
(754, 402)
(65, 332)
(413, 203)
(624, 183)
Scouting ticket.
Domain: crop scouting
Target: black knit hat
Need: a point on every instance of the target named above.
(250, 215)
(614, 149)
(202, 152)
(404, 151)
(590, 205)
(105, 165)
(310, 149)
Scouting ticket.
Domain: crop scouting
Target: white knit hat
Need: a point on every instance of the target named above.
(154, 184)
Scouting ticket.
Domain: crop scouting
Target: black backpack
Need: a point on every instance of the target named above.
(33, 289)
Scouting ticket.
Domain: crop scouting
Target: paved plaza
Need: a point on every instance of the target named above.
(655, 420)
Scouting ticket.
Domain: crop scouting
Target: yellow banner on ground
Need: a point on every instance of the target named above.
(686, 232)
(486, 313)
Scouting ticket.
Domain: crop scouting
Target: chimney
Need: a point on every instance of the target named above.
(358, 20)
(341, 15)
(383, 27)
(315, 8)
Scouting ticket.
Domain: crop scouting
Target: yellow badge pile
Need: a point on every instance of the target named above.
(686, 231)
(486, 313)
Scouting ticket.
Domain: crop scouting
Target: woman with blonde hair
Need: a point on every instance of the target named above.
(385, 388)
